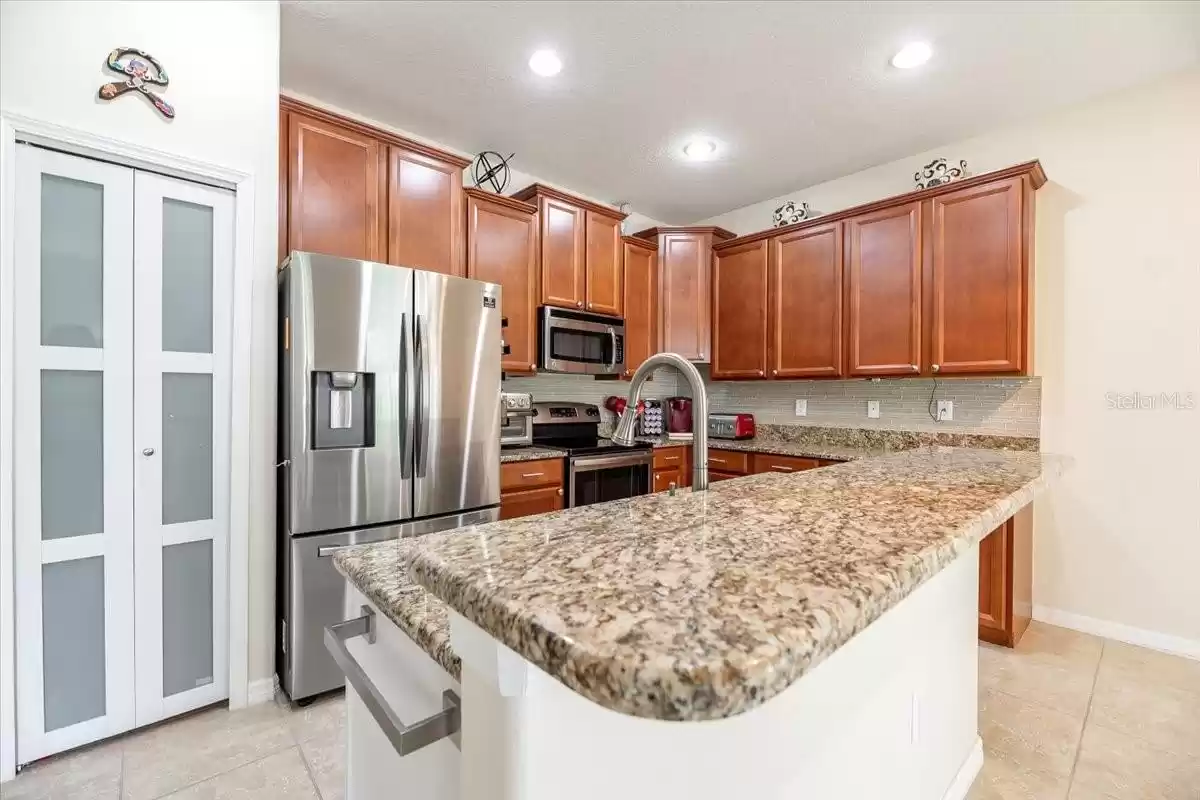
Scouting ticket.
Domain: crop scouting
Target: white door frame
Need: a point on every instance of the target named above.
(13, 127)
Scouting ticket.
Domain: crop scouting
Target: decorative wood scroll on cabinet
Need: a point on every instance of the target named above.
(579, 251)
(931, 283)
(685, 281)
(347, 189)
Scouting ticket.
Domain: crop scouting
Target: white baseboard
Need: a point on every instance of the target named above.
(1163, 642)
(261, 691)
(966, 773)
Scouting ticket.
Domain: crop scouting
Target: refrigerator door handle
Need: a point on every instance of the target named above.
(420, 410)
(407, 403)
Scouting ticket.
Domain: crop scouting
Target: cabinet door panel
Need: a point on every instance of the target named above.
(530, 502)
(641, 304)
(978, 281)
(424, 213)
(562, 253)
(884, 292)
(739, 286)
(336, 189)
(684, 260)
(993, 581)
(501, 248)
(806, 303)
(604, 283)
(767, 462)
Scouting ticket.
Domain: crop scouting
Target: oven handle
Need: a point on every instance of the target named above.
(593, 463)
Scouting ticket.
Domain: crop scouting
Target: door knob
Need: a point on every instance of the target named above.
(579, 304)
(935, 367)
(149, 451)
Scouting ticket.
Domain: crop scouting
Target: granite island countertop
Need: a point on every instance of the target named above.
(705, 605)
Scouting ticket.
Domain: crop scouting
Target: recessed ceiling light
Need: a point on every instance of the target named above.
(700, 148)
(545, 63)
(912, 55)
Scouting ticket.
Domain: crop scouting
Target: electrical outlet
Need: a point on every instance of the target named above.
(945, 410)
(873, 409)
(801, 408)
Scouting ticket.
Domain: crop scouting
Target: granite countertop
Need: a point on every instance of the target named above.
(380, 571)
(530, 454)
(705, 605)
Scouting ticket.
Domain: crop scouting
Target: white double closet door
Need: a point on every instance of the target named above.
(122, 351)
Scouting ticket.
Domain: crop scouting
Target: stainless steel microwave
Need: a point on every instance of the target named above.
(578, 342)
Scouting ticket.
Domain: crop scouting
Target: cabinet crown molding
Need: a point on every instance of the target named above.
(1033, 169)
(645, 244)
(499, 200)
(385, 136)
(713, 230)
(542, 190)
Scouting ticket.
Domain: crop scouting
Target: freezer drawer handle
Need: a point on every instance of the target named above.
(330, 550)
(404, 738)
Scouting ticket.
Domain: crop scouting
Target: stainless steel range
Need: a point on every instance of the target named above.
(598, 470)
(389, 426)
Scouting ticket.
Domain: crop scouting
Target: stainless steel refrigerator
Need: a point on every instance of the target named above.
(389, 426)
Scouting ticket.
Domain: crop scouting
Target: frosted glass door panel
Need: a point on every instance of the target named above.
(183, 265)
(72, 445)
(73, 641)
(187, 451)
(187, 626)
(73, 427)
(187, 277)
(72, 268)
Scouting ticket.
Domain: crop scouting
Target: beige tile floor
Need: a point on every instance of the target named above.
(1066, 716)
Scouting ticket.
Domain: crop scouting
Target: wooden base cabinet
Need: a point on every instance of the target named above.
(1006, 580)
(350, 190)
(685, 281)
(672, 468)
(502, 248)
(531, 487)
(935, 282)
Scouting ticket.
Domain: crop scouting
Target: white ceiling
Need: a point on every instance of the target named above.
(799, 92)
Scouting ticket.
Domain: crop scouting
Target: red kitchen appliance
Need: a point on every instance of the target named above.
(679, 414)
(731, 426)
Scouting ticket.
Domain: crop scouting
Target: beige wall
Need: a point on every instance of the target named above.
(223, 62)
(1117, 299)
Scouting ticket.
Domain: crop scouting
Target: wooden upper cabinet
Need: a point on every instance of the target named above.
(806, 303)
(979, 279)
(580, 246)
(425, 212)
(336, 190)
(603, 265)
(502, 248)
(883, 298)
(685, 297)
(739, 322)
(640, 260)
(562, 253)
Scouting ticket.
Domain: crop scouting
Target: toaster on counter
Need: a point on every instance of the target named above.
(731, 426)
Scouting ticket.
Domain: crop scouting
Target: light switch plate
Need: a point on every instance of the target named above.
(945, 410)
(801, 408)
(873, 409)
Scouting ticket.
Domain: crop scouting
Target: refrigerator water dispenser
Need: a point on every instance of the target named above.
(342, 406)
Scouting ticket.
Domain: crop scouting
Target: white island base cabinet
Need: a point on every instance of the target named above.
(411, 683)
(892, 714)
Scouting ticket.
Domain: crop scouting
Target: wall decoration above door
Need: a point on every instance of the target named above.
(142, 68)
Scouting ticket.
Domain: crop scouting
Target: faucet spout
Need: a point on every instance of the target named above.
(624, 433)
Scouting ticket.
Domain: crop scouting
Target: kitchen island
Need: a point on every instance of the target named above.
(804, 635)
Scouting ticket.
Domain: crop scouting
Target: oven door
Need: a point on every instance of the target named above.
(574, 342)
(598, 479)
